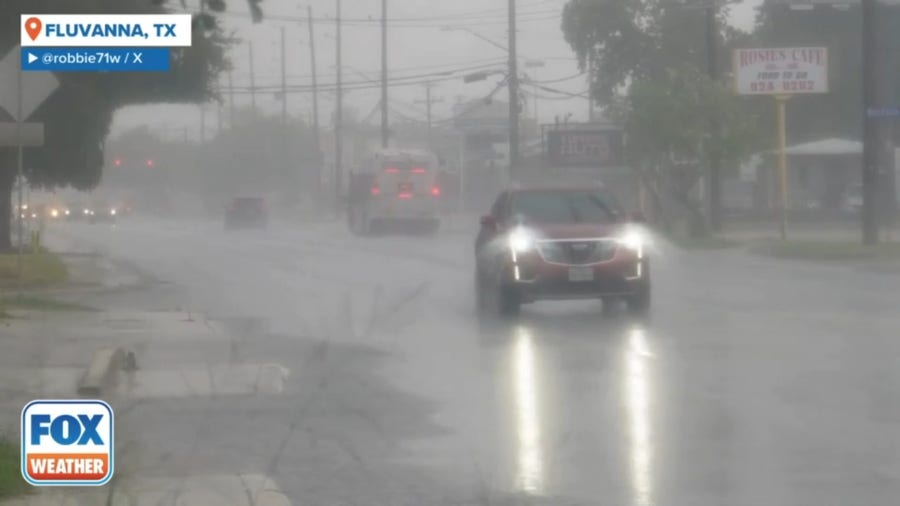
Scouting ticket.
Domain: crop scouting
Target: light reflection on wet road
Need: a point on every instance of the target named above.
(754, 382)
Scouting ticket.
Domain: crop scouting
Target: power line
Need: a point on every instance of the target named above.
(583, 94)
(437, 23)
(372, 20)
(435, 76)
(560, 80)
(475, 65)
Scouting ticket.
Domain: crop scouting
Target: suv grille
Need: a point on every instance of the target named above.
(577, 252)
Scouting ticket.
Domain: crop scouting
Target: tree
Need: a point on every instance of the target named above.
(78, 115)
(650, 71)
(667, 124)
(634, 40)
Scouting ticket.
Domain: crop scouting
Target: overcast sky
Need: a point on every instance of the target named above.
(429, 38)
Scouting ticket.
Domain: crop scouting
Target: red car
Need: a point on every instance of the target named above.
(560, 243)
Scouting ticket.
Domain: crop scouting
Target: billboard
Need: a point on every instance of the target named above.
(584, 147)
(781, 70)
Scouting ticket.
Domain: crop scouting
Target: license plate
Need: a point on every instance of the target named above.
(405, 187)
(581, 274)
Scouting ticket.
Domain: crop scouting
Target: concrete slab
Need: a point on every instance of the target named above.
(205, 490)
(41, 381)
(204, 381)
(214, 490)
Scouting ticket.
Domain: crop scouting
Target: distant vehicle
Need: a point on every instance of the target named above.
(560, 243)
(246, 212)
(397, 186)
(102, 212)
(37, 212)
(77, 211)
(56, 211)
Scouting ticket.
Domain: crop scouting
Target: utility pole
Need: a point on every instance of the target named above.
(428, 113)
(252, 79)
(315, 83)
(202, 123)
(283, 83)
(513, 93)
(202, 105)
(315, 96)
(219, 119)
(338, 119)
(714, 180)
(385, 134)
(591, 113)
(428, 103)
(870, 131)
(230, 100)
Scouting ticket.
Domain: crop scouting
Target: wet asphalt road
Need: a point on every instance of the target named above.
(753, 382)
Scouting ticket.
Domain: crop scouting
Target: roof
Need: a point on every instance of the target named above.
(825, 147)
(403, 153)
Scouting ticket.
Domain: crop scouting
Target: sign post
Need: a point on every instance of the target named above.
(21, 95)
(780, 104)
(781, 73)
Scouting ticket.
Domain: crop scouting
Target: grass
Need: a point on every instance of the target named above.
(828, 250)
(38, 270)
(11, 482)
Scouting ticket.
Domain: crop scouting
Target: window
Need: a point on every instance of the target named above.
(564, 207)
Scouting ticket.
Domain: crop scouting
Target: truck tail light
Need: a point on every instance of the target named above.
(376, 190)
(436, 191)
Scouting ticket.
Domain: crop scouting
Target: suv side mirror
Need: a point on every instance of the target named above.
(489, 221)
(638, 217)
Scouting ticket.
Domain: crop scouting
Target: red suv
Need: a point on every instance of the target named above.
(560, 243)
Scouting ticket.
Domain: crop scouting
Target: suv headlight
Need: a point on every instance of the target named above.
(634, 241)
(521, 240)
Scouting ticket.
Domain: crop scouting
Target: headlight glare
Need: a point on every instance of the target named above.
(634, 241)
(520, 240)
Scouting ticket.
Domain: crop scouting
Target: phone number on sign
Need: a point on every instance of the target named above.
(785, 86)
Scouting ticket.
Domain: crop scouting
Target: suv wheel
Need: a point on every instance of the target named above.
(639, 302)
(509, 301)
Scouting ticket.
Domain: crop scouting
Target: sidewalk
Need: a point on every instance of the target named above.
(204, 490)
(838, 232)
(179, 356)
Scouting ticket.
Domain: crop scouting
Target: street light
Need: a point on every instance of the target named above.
(481, 75)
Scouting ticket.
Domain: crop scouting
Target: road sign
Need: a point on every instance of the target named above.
(781, 70)
(32, 134)
(36, 86)
(585, 147)
(883, 112)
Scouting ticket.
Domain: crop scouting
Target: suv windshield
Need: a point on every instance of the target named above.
(564, 207)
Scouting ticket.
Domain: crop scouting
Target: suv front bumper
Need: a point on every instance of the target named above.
(533, 279)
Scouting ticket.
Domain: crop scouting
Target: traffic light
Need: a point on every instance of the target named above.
(118, 162)
(149, 162)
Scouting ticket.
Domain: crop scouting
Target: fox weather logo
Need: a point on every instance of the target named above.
(67, 442)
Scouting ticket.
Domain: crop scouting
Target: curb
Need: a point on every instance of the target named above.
(103, 371)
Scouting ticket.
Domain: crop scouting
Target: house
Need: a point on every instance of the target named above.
(819, 173)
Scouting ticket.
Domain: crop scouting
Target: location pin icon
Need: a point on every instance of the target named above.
(33, 27)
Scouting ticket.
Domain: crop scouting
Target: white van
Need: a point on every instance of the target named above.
(395, 187)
